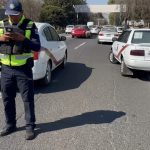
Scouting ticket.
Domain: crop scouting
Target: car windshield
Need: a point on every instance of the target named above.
(81, 26)
(120, 28)
(141, 37)
(70, 26)
(109, 29)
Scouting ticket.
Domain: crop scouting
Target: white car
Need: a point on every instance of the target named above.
(69, 28)
(106, 34)
(132, 50)
(53, 43)
(95, 29)
(119, 30)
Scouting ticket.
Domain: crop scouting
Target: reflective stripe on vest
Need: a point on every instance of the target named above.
(1, 28)
(18, 60)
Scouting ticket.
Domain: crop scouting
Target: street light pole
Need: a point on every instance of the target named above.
(121, 11)
(77, 17)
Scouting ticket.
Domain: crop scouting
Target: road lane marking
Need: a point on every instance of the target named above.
(80, 45)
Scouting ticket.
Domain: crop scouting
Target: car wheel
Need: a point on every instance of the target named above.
(98, 42)
(90, 36)
(63, 64)
(125, 71)
(112, 59)
(122, 68)
(47, 79)
(72, 36)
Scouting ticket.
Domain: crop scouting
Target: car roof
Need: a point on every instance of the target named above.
(70, 25)
(139, 29)
(40, 25)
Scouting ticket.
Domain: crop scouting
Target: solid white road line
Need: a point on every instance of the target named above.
(80, 45)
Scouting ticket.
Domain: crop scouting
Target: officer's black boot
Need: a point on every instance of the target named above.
(30, 134)
(8, 130)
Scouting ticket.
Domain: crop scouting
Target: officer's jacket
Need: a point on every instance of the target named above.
(17, 54)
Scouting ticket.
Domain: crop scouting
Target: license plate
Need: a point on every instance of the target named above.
(108, 35)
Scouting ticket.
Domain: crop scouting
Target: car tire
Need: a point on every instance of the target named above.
(90, 36)
(72, 36)
(112, 59)
(63, 64)
(123, 68)
(47, 78)
(98, 42)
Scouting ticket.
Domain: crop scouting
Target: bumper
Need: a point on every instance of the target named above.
(105, 39)
(38, 70)
(138, 65)
(79, 35)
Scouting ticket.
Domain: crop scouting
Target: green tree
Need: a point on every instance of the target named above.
(53, 15)
(54, 11)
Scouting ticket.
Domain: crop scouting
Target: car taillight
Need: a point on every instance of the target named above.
(36, 55)
(137, 52)
(101, 34)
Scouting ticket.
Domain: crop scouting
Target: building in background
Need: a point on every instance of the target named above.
(2, 13)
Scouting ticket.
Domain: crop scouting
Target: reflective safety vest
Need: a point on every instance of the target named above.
(19, 59)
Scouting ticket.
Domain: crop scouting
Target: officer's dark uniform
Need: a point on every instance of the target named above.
(17, 62)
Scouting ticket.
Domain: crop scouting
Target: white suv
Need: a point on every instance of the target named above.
(132, 50)
(52, 42)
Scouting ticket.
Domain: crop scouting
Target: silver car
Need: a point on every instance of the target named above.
(106, 34)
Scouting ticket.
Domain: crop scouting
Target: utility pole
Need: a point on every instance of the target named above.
(77, 14)
(121, 11)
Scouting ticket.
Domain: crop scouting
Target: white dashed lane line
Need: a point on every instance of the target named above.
(80, 45)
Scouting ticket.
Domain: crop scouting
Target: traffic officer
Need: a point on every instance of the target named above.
(18, 39)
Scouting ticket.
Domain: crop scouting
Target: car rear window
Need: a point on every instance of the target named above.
(69, 26)
(109, 29)
(141, 37)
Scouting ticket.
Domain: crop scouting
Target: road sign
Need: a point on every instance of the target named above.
(99, 8)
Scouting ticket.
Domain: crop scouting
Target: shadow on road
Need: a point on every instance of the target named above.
(142, 75)
(69, 78)
(96, 117)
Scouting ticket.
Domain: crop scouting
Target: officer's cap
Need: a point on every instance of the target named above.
(13, 7)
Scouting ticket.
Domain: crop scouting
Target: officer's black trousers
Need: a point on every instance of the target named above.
(11, 78)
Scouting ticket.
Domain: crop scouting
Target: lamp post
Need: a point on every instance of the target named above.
(121, 11)
(77, 15)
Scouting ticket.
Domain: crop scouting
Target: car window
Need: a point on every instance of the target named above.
(55, 36)
(69, 26)
(124, 36)
(109, 29)
(141, 37)
(47, 34)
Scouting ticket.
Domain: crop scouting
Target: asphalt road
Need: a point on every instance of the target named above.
(88, 106)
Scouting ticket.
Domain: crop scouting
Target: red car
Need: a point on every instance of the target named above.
(81, 31)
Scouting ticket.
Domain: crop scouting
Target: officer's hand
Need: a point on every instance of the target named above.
(18, 37)
(5, 38)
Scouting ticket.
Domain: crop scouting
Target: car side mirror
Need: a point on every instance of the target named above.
(114, 39)
(62, 38)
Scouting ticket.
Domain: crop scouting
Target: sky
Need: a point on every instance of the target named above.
(97, 2)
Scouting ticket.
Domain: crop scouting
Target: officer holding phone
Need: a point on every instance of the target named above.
(18, 39)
